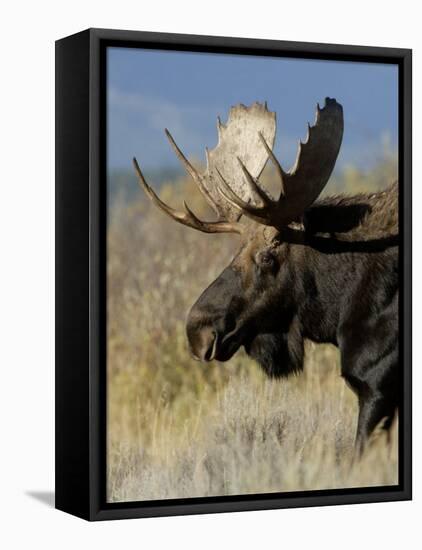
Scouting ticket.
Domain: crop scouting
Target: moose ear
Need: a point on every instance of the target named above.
(332, 217)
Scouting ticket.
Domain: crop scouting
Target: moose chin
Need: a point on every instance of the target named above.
(324, 270)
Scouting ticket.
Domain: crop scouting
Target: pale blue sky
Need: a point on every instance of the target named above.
(149, 90)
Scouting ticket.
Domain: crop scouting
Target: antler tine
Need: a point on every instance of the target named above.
(230, 195)
(253, 183)
(258, 214)
(189, 168)
(197, 178)
(282, 174)
(188, 217)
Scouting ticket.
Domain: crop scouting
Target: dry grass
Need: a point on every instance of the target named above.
(177, 428)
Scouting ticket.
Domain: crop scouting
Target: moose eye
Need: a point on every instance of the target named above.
(266, 259)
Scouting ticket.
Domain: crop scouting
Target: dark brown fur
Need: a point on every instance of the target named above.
(331, 277)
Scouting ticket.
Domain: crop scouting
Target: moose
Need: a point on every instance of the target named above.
(325, 270)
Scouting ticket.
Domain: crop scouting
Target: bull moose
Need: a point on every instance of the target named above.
(324, 270)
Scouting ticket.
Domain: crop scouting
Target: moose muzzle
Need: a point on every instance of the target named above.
(211, 326)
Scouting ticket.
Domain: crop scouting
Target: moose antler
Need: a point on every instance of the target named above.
(301, 186)
(188, 217)
(238, 139)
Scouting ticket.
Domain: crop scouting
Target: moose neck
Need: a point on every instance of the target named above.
(325, 271)
(315, 277)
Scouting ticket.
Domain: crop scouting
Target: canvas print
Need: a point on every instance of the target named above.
(252, 275)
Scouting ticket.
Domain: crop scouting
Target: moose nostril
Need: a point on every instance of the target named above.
(203, 343)
(212, 344)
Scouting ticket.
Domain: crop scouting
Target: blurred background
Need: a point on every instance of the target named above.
(177, 428)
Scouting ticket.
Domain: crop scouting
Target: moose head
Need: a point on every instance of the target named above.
(253, 302)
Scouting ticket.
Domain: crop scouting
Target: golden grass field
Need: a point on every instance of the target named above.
(178, 428)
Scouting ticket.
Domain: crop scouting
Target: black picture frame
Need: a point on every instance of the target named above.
(81, 260)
